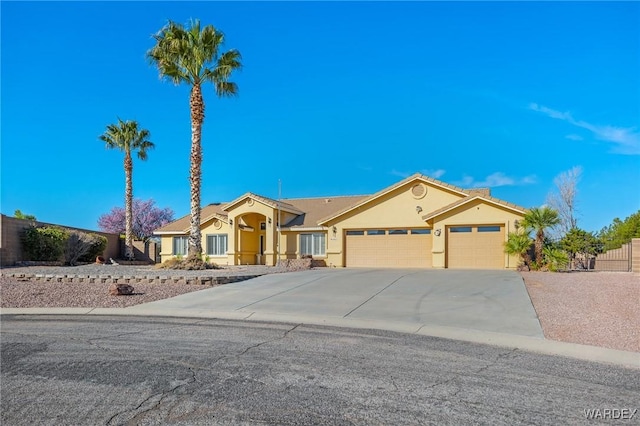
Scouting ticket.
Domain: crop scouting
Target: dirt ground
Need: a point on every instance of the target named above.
(591, 308)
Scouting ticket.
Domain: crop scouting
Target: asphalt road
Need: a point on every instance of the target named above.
(80, 370)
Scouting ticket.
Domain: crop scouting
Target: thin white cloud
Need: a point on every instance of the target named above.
(494, 180)
(400, 174)
(626, 140)
(436, 173)
(574, 137)
(431, 173)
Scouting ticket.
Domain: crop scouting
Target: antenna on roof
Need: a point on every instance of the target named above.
(278, 222)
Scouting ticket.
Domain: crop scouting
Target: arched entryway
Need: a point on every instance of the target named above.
(252, 238)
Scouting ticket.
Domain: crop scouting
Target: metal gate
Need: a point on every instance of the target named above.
(614, 260)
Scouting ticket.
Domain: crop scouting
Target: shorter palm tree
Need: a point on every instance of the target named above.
(518, 243)
(127, 137)
(539, 219)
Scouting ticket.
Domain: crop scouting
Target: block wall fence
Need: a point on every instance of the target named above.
(11, 244)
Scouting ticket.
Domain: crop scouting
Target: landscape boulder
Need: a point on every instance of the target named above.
(120, 289)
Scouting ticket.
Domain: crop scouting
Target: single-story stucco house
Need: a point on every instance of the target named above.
(418, 222)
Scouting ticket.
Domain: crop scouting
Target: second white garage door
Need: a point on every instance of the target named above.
(389, 248)
(475, 247)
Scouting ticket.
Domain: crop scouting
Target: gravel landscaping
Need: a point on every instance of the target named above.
(21, 293)
(591, 308)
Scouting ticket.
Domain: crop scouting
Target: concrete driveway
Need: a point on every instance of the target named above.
(494, 301)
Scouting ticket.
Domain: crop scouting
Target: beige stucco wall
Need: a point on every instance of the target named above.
(476, 212)
(396, 209)
(212, 226)
(289, 245)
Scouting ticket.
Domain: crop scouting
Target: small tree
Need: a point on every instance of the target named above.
(620, 231)
(564, 200)
(580, 245)
(19, 215)
(146, 219)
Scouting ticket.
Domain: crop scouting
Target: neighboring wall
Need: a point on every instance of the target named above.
(635, 255)
(142, 251)
(11, 243)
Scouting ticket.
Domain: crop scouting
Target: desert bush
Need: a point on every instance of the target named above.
(78, 245)
(189, 264)
(98, 246)
(45, 243)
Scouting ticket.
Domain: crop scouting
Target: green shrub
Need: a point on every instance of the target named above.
(44, 244)
(555, 258)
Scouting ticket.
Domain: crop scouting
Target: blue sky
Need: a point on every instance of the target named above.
(336, 98)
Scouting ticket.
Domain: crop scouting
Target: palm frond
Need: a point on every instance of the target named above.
(185, 55)
(127, 137)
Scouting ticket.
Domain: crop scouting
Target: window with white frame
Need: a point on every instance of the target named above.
(217, 244)
(313, 244)
(180, 246)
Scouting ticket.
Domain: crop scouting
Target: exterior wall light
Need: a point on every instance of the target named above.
(516, 223)
(418, 209)
(269, 221)
(230, 222)
(437, 232)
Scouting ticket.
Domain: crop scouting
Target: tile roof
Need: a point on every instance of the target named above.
(265, 200)
(317, 208)
(182, 225)
(312, 212)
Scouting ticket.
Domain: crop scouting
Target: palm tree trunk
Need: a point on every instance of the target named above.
(128, 202)
(196, 104)
(538, 247)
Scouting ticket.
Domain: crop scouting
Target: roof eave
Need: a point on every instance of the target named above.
(457, 204)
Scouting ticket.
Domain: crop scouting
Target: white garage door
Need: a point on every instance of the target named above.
(475, 247)
(388, 248)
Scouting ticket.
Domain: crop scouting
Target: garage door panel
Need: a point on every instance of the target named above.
(475, 247)
(388, 251)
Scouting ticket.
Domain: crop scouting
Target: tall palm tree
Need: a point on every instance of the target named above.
(539, 219)
(192, 56)
(127, 137)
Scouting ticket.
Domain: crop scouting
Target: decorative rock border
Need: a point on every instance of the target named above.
(127, 279)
